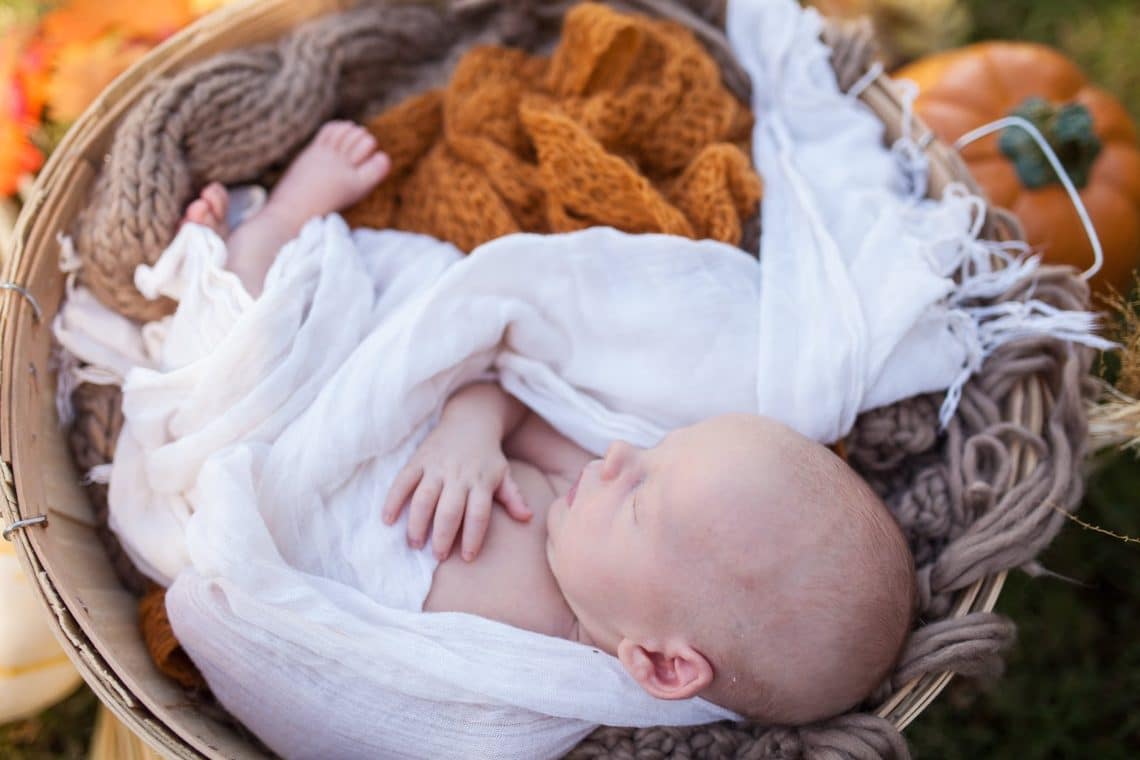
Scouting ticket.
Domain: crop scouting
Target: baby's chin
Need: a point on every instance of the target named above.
(555, 512)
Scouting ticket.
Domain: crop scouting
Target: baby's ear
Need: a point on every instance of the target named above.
(677, 672)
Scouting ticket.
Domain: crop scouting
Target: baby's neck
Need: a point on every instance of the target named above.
(579, 633)
(575, 631)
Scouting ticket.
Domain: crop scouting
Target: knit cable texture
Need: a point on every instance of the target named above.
(229, 120)
(626, 125)
(965, 512)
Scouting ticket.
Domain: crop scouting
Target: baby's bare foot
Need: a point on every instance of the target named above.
(210, 209)
(334, 171)
(337, 169)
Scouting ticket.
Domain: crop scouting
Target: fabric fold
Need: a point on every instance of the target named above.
(249, 476)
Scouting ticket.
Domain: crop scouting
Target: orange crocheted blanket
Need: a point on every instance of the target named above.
(627, 124)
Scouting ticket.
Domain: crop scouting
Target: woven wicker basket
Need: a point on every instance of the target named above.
(92, 614)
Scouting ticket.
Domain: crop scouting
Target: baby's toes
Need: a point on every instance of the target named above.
(197, 212)
(373, 169)
(359, 146)
(347, 139)
(217, 198)
(333, 132)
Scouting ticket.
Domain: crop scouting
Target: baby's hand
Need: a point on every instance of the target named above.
(454, 477)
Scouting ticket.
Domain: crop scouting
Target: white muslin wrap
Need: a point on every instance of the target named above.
(261, 435)
(265, 445)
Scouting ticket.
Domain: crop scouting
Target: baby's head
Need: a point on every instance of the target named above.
(737, 561)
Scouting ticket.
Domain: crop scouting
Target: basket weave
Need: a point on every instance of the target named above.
(91, 612)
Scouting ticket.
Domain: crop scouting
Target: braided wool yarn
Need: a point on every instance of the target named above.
(238, 116)
(230, 119)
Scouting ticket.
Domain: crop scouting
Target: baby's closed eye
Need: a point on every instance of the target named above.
(636, 491)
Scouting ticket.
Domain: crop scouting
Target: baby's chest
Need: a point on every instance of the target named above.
(510, 580)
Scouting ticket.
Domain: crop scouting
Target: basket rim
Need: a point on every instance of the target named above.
(31, 242)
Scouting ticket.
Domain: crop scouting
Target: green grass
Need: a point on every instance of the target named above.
(1072, 685)
(61, 733)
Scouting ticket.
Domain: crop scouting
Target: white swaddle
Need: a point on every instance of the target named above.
(261, 435)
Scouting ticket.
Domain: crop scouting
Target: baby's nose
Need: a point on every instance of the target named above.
(617, 456)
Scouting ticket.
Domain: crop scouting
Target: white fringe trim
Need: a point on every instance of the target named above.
(100, 473)
(71, 372)
(986, 269)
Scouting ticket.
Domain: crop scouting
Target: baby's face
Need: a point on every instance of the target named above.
(747, 541)
(643, 523)
(602, 546)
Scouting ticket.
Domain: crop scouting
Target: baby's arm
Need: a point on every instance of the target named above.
(537, 442)
(458, 470)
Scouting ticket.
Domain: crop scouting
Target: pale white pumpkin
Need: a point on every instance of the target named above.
(114, 741)
(34, 671)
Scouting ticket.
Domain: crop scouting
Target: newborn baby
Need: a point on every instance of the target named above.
(736, 560)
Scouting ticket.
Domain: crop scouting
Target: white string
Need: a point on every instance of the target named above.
(962, 326)
(911, 158)
(1017, 121)
(67, 364)
(998, 324)
(71, 372)
(37, 311)
(862, 83)
(1001, 323)
(100, 473)
(908, 93)
(985, 268)
(66, 383)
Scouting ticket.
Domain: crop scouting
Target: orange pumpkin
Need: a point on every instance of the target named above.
(1089, 130)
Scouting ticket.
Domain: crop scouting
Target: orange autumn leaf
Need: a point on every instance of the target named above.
(9, 55)
(86, 20)
(20, 68)
(19, 113)
(33, 73)
(17, 156)
(82, 70)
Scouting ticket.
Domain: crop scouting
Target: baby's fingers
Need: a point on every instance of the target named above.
(475, 522)
(423, 505)
(401, 489)
(448, 515)
(511, 497)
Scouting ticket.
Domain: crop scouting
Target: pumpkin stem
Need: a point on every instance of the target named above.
(1069, 131)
